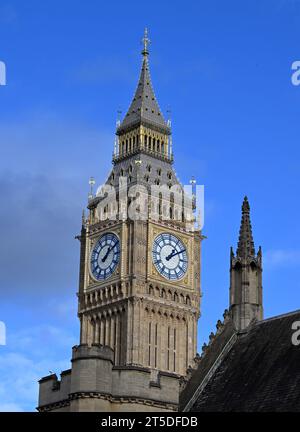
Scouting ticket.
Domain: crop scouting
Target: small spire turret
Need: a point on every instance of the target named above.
(246, 244)
(245, 276)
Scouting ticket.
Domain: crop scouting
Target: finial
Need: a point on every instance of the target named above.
(246, 205)
(193, 184)
(245, 244)
(193, 181)
(170, 147)
(116, 146)
(92, 184)
(146, 42)
(119, 113)
(169, 117)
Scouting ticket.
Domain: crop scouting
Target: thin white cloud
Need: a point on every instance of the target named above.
(40, 340)
(27, 357)
(19, 376)
(63, 308)
(10, 407)
(281, 257)
(99, 70)
(45, 142)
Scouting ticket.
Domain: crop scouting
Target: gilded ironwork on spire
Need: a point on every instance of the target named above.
(246, 244)
(146, 41)
(144, 108)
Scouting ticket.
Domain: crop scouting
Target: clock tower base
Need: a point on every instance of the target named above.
(95, 384)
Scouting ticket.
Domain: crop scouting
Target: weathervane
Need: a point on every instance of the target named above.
(146, 42)
(119, 113)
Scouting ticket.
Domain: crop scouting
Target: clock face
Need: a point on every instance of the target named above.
(105, 256)
(169, 256)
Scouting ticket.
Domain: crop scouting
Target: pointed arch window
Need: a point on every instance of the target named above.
(174, 350)
(149, 343)
(155, 345)
(168, 348)
(160, 204)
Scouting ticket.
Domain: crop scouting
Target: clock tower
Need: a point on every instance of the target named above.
(139, 284)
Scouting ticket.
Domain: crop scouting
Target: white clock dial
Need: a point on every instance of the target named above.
(105, 256)
(169, 256)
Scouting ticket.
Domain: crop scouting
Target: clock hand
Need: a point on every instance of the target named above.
(170, 255)
(108, 252)
(173, 253)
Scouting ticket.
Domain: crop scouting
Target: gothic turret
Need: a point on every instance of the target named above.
(245, 276)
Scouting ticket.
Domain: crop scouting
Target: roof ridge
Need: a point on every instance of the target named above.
(297, 311)
(210, 373)
(153, 91)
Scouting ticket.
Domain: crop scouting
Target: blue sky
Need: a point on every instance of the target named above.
(224, 70)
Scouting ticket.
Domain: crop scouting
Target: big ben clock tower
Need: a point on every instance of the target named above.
(139, 285)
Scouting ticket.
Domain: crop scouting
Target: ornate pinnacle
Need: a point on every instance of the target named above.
(246, 206)
(246, 244)
(146, 42)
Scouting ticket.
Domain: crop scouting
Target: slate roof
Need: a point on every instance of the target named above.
(144, 107)
(261, 372)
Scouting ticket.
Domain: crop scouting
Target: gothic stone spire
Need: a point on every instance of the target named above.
(246, 244)
(246, 302)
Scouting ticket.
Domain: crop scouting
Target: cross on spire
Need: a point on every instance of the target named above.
(146, 42)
